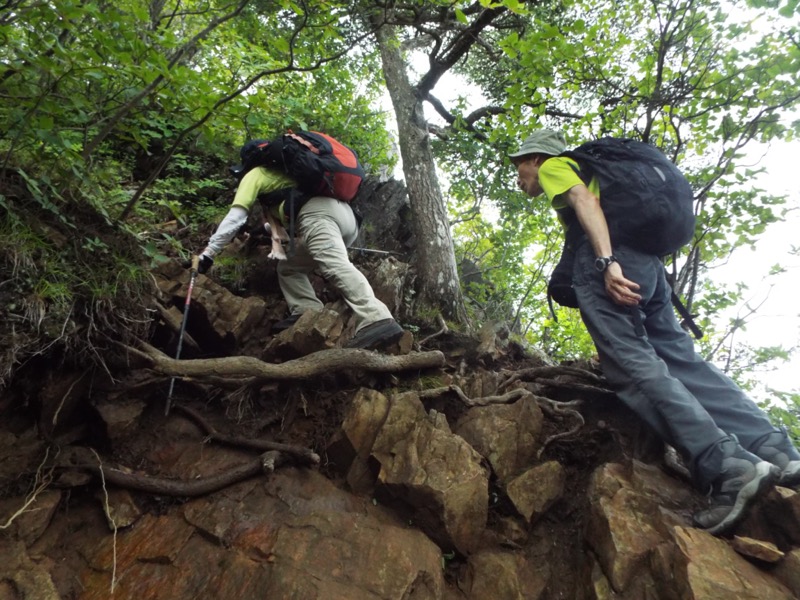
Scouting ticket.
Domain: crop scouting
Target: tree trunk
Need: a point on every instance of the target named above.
(438, 284)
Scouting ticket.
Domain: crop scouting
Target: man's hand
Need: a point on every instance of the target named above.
(622, 291)
(205, 264)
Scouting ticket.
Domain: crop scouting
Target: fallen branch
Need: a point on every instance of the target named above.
(161, 486)
(305, 454)
(173, 321)
(318, 363)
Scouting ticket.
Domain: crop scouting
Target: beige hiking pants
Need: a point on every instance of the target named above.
(326, 227)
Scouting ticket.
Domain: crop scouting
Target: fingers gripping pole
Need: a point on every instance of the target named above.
(192, 277)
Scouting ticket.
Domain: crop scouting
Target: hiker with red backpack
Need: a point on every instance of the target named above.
(624, 206)
(305, 181)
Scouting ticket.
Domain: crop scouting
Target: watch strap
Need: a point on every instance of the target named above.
(602, 262)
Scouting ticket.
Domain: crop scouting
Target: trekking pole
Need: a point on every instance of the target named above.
(373, 251)
(192, 277)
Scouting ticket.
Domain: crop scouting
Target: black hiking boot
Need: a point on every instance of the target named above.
(777, 448)
(284, 324)
(742, 479)
(376, 335)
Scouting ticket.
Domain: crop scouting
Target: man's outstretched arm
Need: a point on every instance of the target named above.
(591, 218)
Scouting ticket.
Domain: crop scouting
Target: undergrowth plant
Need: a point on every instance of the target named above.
(69, 279)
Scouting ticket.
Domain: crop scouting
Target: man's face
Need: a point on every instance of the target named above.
(528, 175)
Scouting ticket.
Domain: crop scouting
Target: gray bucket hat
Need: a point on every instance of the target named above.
(543, 141)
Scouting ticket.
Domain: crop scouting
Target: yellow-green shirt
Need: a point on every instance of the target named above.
(261, 180)
(556, 176)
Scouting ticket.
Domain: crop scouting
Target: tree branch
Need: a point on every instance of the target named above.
(457, 49)
(178, 55)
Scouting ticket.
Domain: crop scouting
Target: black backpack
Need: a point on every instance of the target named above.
(647, 202)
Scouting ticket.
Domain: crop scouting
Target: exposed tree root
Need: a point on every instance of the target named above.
(559, 410)
(318, 363)
(576, 387)
(579, 378)
(553, 408)
(483, 401)
(161, 486)
(444, 329)
(306, 455)
(110, 517)
(44, 477)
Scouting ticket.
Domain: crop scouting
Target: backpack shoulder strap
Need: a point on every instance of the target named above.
(688, 318)
(302, 141)
(580, 169)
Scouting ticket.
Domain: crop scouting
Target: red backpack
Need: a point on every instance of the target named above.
(320, 164)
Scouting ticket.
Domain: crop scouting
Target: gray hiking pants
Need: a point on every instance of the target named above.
(326, 227)
(690, 403)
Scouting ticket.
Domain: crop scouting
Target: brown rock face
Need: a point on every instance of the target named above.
(413, 457)
(296, 536)
(507, 435)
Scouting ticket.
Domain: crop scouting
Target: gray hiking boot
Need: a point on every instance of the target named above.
(742, 479)
(777, 448)
(376, 335)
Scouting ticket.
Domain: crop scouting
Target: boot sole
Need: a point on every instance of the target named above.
(766, 475)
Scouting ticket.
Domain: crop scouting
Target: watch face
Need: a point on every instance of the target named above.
(600, 264)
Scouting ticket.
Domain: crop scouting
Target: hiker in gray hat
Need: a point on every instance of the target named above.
(731, 448)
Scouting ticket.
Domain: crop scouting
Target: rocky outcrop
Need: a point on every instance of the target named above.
(508, 435)
(418, 461)
(416, 497)
(218, 319)
(533, 492)
(386, 212)
(639, 533)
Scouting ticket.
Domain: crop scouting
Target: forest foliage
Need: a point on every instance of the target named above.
(133, 110)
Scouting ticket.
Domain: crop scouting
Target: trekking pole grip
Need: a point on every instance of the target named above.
(195, 262)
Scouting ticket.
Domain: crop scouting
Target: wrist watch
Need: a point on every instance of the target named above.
(601, 263)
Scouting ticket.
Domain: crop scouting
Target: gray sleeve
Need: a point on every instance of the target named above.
(236, 217)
